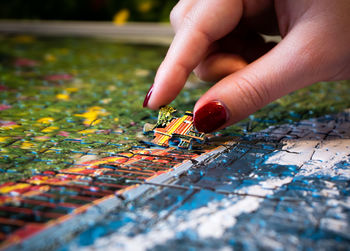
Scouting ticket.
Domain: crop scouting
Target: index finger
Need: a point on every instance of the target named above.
(206, 22)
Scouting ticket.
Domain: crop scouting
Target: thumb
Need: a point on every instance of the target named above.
(291, 65)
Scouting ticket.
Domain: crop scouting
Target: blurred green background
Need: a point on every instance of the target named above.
(92, 10)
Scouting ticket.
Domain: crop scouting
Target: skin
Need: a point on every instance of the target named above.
(219, 40)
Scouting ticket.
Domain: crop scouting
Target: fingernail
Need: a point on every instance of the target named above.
(210, 117)
(148, 95)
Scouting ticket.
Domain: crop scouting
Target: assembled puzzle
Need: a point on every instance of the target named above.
(83, 166)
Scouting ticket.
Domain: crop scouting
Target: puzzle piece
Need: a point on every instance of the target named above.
(178, 132)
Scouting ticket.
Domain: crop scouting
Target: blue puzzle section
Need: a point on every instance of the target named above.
(287, 187)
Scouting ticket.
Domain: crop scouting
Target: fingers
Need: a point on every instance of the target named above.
(179, 12)
(232, 54)
(207, 21)
(219, 65)
(287, 67)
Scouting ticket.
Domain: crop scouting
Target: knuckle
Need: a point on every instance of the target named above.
(176, 15)
(187, 20)
(252, 92)
(179, 17)
(199, 28)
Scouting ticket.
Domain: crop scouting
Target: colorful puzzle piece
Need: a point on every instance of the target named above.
(171, 131)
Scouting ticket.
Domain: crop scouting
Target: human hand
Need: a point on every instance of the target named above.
(220, 41)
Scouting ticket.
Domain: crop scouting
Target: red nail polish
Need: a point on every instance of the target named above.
(210, 117)
(148, 95)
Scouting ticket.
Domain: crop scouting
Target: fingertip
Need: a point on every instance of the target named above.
(168, 83)
(211, 116)
(147, 97)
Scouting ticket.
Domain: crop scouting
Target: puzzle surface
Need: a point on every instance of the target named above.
(290, 192)
(72, 152)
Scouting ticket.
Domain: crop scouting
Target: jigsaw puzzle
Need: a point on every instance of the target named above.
(73, 155)
(286, 187)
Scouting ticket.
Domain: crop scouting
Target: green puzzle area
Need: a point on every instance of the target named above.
(64, 98)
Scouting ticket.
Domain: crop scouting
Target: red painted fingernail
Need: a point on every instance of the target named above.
(148, 95)
(210, 117)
